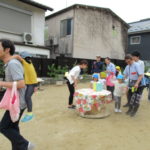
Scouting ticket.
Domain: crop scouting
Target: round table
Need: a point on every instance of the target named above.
(92, 104)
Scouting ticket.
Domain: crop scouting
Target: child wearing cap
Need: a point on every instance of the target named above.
(120, 90)
(118, 70)
(30, 78)
(97, 80)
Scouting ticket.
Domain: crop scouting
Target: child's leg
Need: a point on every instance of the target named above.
(119, 103)
(116, 98)
(116, 102)
(28, 95)
(111, 89)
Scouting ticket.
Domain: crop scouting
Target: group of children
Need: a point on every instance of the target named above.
(120, 87)
(118, 82)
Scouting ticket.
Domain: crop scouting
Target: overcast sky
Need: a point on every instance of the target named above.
(128, 10)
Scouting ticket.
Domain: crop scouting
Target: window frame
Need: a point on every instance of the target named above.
(66, 28)
(132, 43)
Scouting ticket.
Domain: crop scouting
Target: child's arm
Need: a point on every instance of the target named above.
(17, 57)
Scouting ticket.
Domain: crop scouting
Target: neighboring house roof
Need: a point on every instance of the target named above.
(86, 6)
(36, 4)
(141, 26)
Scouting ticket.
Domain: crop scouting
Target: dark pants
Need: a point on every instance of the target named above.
(28, 95)
(135, 97)
(149, 92)
(117, 102)
(111, 89)
(11, 131)
(71, 90)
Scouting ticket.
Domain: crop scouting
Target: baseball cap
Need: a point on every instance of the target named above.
(120, 76)
(95, 76)
(118, 67)
(25, 54)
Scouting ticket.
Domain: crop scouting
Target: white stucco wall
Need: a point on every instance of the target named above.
(37, 25)
(33, 50)
(93, 35)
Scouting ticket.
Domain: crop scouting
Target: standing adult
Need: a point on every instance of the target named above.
(97, 66)
(134, 73)
(13, 72)
(30, 78)
(136, 57)
(111, 71)
(72, 80)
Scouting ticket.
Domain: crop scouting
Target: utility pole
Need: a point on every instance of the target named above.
(66, 3)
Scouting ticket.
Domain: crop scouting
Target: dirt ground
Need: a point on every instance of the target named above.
(57, 128)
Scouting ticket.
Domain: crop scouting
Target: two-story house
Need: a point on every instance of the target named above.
(23, 21)
(82, 31)
(139, 38)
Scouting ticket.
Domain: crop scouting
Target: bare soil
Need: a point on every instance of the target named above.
(57, 128)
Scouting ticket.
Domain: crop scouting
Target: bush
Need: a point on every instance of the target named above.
(55, 72)
(147, 68)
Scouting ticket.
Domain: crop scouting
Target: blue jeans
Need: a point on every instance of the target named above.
(28, 95)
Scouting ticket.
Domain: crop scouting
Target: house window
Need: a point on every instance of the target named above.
(135, 40)
(65, 27)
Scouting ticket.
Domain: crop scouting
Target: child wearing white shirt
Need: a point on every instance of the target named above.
(120, 90)
(97, 80)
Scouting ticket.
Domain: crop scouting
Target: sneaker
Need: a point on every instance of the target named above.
(129, 110)
(116, 110)
(27, 118)
(72, 107)
(31, 146)
(126, 105)
(119, 110)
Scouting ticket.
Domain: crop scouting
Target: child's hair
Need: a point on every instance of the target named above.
(108, 58)
(28, 60)
(83, 62)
